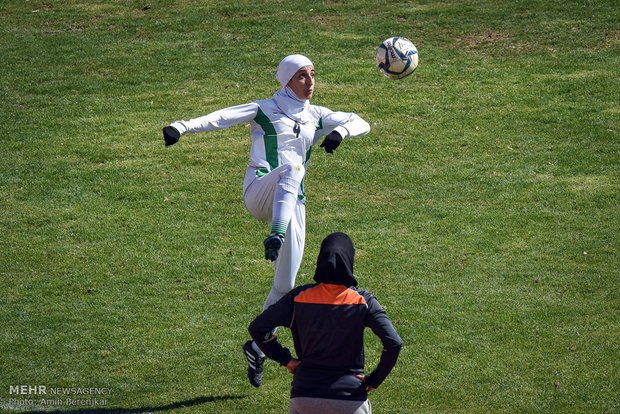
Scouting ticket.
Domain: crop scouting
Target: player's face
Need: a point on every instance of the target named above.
(302, 82)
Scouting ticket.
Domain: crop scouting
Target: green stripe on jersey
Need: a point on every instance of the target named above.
(271, 138)
(302, 196)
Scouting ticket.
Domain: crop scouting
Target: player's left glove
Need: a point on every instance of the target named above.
(171, 135)
(331, 142)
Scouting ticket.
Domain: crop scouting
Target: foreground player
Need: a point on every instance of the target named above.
(283, 130)
(327, 321)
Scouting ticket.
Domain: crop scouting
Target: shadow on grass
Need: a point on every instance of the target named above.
(172, 406)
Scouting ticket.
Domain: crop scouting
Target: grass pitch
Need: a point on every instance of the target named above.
(483, 204)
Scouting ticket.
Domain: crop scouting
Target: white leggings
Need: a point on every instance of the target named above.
(279, 188)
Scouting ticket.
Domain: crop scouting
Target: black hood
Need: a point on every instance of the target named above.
(335, 262)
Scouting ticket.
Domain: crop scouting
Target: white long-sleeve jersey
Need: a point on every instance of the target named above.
(276, 138)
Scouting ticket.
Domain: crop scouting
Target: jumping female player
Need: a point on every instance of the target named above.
(283, 130)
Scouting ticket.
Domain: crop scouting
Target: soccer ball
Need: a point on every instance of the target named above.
(397, 57)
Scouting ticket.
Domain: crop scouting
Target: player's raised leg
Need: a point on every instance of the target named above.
(285, 199)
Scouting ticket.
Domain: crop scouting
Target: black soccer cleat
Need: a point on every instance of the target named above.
(255, 364)
(272, 246)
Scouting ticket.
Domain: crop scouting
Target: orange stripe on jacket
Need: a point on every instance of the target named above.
(329, 294)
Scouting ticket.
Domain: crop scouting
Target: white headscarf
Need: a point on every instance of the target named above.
(289, 66)
(287, 101)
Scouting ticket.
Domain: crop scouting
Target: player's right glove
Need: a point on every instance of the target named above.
(171, 135)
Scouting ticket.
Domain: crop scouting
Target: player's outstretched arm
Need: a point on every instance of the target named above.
(222, 118)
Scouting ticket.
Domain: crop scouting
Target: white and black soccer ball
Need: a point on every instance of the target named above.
(397, 57)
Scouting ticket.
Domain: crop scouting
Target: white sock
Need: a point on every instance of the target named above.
(283, 205)
(285, 197)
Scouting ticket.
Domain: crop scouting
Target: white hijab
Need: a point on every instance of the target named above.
(287, 101)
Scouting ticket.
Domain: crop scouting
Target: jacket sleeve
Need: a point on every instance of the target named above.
(381, 325)
(347, 124)
(219, 119)
(261, 328)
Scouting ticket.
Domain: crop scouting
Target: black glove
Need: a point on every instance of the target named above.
(171, 135)
(331, 142)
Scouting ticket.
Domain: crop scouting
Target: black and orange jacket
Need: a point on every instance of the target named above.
(327, 321)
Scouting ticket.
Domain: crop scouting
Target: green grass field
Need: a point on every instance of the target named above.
(484, 203)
